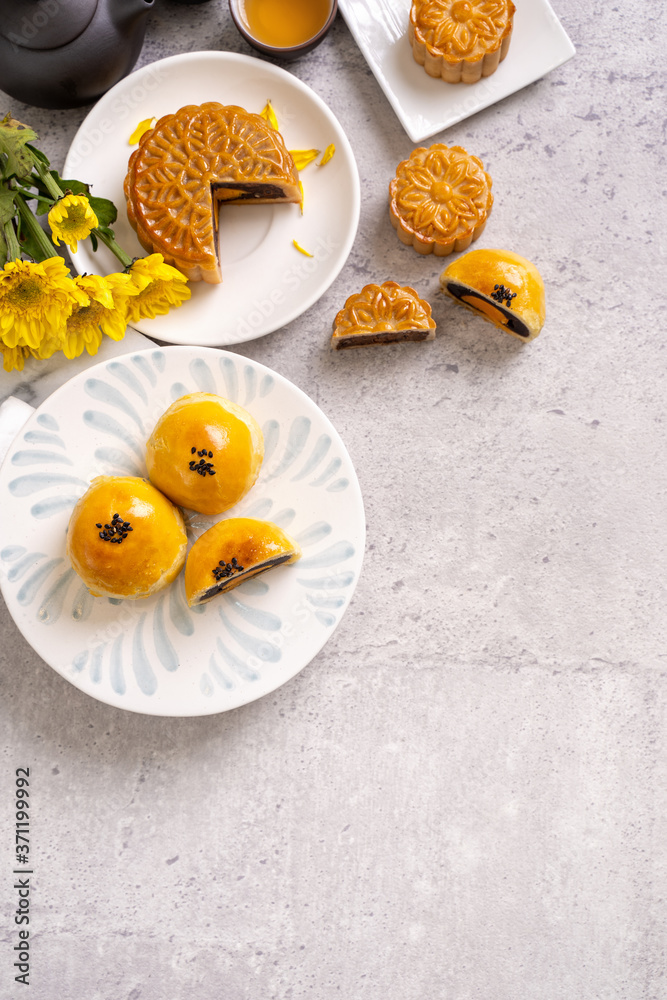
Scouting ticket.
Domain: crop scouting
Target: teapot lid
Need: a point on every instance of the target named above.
(45, 24)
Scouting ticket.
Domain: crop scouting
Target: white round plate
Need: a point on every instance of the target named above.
(157, 656)
(266, 282)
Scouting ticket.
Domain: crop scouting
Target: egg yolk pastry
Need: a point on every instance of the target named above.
(502, 287)
(233, 550)
(205, 452)
(125, 539)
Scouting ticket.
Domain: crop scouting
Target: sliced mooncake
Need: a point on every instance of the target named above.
(382, 314)
(189, 163)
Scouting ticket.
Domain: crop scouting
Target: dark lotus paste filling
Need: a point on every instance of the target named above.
(385, 337)
(249, 189)
(227, 584)
(513, 323)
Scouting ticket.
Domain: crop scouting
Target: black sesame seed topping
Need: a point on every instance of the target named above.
(502, 294)
(202, 467)
(226, 569)
(116, 531)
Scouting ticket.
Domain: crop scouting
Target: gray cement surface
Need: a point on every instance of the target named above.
(463, 796)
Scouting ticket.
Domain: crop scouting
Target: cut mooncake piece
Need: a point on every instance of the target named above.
(440, 199)
(500, 286)
(205, 452)
(189, 163)
(460, 40)
(232, 551)
(125, 539)
(382, 314)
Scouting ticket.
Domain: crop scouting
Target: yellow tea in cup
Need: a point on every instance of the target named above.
(284, 23)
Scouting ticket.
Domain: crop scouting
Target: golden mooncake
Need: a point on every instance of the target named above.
(440, 199)
(189, 163)
(382, 314)
(460, 40)
(205, 452)
(500, 286)
(125, 539)
(232, 551)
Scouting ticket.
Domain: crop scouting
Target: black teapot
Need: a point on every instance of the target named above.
(65, 53)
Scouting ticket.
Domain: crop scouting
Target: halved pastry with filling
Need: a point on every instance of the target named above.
(232, 551)
(382, 314)
(502, 287)
(189, 163)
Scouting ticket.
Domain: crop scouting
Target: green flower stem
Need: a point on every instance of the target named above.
(57, 192)
(13, 247)
(45, 245)
(45, 176)
(110, 242)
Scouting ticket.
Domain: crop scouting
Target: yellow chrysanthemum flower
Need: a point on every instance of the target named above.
(35, 301)
(159, 287)
(71, 219)
(48, 346)
(13, 358)
(105, 313)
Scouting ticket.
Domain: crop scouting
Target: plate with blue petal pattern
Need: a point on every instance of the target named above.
(158, 656)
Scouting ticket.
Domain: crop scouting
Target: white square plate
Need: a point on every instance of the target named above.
(424, 105)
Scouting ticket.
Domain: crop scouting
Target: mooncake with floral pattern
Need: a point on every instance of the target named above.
(460, 40)
(440, 199)
(382, 314)
(188, 164)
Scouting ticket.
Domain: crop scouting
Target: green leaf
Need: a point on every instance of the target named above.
(74, 187)
(38, 154)
(43, 200)
(3, 249)
(104, 209)
(7, 206)
(106, 231)
(15, 151)
(29, 244)
(43, 206)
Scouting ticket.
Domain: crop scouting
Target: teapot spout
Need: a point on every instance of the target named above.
(125, 13)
